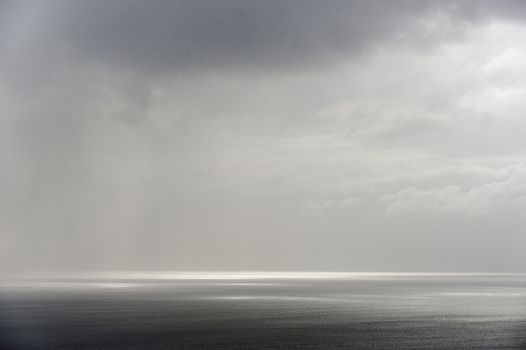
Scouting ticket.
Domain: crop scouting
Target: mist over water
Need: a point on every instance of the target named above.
(265, 311)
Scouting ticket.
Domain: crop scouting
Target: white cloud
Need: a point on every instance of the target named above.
(507, 192)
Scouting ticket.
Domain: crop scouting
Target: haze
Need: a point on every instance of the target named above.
(262, 135)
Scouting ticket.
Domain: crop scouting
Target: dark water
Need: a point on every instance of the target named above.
(273, 311)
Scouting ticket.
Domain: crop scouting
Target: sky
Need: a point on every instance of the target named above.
(263, 135)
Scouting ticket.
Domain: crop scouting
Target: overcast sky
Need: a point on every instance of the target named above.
(263, 135)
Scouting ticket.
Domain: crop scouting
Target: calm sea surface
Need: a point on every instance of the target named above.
(264, 311)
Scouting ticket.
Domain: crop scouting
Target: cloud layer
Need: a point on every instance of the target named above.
(347, 135)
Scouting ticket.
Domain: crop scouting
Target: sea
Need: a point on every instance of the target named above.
(263, 310)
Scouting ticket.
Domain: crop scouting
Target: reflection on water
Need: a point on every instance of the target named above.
(264, 311)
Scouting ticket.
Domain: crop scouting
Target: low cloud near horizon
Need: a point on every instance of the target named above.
(262, 135)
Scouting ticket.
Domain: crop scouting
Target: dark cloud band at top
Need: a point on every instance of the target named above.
(166, 35)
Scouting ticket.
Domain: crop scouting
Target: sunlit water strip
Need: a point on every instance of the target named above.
(244, 275)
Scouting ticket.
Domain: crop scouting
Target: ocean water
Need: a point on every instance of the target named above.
(264, 311)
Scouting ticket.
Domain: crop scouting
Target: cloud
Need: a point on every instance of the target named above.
(169, 35)
(196, 134)
(504, 194)
(176, 37)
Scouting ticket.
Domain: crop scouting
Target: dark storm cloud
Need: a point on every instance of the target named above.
(45, 41)
(162, 36)
(165, 35)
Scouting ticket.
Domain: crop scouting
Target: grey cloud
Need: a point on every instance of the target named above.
(197, 134)
(167, 38)
(170, 36)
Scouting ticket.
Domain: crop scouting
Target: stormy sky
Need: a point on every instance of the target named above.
(263, 135)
